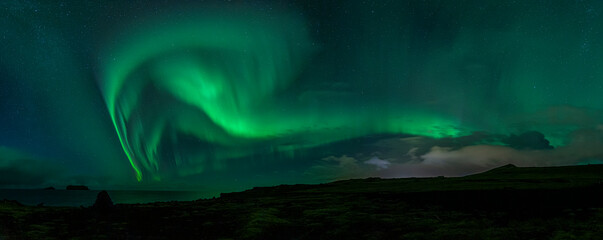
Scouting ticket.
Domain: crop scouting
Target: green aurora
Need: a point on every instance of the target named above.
(214, 91)
(211, 78)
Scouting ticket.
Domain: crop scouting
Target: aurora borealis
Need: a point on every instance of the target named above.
(237, 94)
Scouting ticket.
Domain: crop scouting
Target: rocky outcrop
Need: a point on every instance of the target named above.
(103, 201)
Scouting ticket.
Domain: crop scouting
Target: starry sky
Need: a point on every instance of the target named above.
(235, 94)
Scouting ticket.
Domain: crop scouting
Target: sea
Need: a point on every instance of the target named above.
(76, 198)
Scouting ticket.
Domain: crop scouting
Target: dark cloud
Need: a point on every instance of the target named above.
(404, 148)
(585, 145)
(423, 157)
(528, 140)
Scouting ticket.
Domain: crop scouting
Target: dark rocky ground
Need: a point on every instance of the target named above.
(504, 203)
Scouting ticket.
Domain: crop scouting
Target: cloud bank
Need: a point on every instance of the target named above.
(425, 157)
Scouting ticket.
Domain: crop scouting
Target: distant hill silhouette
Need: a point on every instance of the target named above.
(505, 177)
(508, 166)
(510, 171)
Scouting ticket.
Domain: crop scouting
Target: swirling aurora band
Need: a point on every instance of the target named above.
(212, 78)
(233, 93)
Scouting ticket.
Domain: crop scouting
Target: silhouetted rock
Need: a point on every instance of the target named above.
(49, 188)
(77, 187)
(103, 201)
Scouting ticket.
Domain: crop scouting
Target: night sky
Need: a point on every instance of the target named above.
(235, 94)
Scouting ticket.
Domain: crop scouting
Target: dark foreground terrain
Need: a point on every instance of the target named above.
(504, 203)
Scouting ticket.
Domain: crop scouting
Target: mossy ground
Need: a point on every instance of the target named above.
(487, 206)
